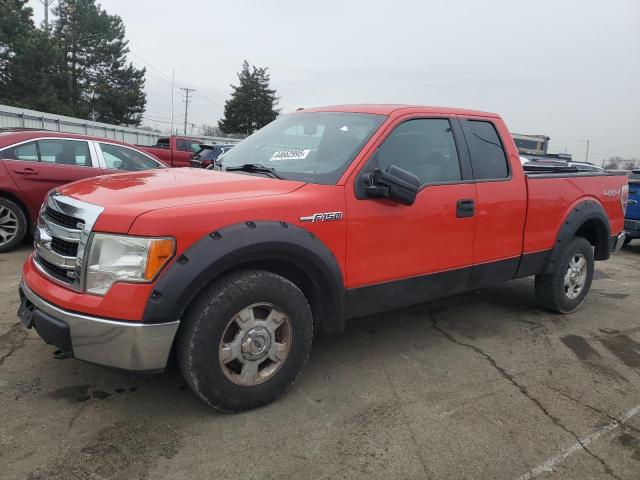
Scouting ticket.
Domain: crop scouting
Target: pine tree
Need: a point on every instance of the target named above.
(102, 85)
(30, 62)
(252, 103)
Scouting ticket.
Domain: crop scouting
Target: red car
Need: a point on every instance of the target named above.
(175, 151)
(32, 162)
(321, 216)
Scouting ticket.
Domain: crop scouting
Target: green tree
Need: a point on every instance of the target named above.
(102, 85)
(15, 26)
(252, 103)
(29, 62)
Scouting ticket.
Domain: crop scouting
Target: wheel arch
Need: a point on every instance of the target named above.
(586, 219)
(278, 247)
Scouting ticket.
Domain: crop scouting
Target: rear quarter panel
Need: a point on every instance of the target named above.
(551, 201)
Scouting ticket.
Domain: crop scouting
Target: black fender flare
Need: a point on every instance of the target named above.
(243, 243)
(586, 211)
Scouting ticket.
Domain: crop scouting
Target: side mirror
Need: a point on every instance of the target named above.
(396, 184)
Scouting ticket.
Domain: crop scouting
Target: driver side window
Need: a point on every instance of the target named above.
(424, 147)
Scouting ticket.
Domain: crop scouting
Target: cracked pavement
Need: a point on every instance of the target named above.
(480, 385)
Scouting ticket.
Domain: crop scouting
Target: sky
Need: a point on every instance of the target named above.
(568, 69)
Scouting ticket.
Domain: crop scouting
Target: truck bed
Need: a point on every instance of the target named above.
(552, 195)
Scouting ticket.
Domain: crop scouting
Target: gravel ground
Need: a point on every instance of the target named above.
(481, 385)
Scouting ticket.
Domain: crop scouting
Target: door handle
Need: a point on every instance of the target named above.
(26, 171)
(465, 208)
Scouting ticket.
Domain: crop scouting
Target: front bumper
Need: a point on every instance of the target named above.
(135, 347)
(632, 228)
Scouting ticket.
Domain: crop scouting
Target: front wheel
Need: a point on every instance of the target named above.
(564, 290)
(245, 340)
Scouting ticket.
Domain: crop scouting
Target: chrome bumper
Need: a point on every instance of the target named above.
(125, 345)
(619, 242)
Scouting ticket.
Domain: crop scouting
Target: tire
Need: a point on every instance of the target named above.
(231, 319)
(552, 291)
(13, 225)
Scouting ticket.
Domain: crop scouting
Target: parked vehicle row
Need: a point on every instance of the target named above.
(321, 216)
(32, 162)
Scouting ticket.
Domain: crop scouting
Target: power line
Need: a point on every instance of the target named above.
(186, 91)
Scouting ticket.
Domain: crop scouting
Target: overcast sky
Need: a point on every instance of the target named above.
(569, 69)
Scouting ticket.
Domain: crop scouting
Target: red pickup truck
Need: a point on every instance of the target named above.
(323, 215)
(175, 151)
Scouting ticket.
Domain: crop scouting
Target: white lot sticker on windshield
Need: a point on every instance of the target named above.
(295, 154)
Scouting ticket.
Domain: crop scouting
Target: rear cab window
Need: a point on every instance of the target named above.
(488, 158)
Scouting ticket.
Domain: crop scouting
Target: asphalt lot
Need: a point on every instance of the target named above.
(481, 385)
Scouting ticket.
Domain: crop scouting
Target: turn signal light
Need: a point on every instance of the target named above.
(159, 253)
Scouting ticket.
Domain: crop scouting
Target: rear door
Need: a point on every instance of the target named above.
(38, 166)
(501, 200)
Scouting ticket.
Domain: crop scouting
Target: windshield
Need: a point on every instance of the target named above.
(314, 147)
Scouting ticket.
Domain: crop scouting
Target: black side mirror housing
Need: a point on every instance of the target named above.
(396, 184)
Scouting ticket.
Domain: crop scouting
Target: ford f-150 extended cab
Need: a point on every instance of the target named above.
(323, 215)
(175, 151)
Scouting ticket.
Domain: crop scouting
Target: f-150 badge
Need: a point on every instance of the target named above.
(322, 217)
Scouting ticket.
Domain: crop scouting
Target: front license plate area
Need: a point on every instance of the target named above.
(25, 312)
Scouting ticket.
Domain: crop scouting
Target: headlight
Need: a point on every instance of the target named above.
(120, 258)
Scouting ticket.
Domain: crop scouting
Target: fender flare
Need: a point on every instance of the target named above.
(588, 210)
(243, 243)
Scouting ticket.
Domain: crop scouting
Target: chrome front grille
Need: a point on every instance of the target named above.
(62, 236)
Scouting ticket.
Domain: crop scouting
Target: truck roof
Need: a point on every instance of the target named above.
(388, 109)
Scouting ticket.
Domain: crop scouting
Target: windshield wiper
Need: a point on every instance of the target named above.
(255, 168)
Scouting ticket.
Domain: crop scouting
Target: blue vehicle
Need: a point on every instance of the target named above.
(632, 215)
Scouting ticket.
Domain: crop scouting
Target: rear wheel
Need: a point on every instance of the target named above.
(13, 225)
(245, 340)
(564, 290)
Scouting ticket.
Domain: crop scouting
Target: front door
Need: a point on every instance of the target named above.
(399, 255)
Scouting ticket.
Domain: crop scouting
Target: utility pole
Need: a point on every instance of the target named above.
(586, 157)
(46, 4)
(187, 91)
(173, 78)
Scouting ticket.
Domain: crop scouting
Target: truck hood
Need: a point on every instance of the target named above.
(124, 196)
